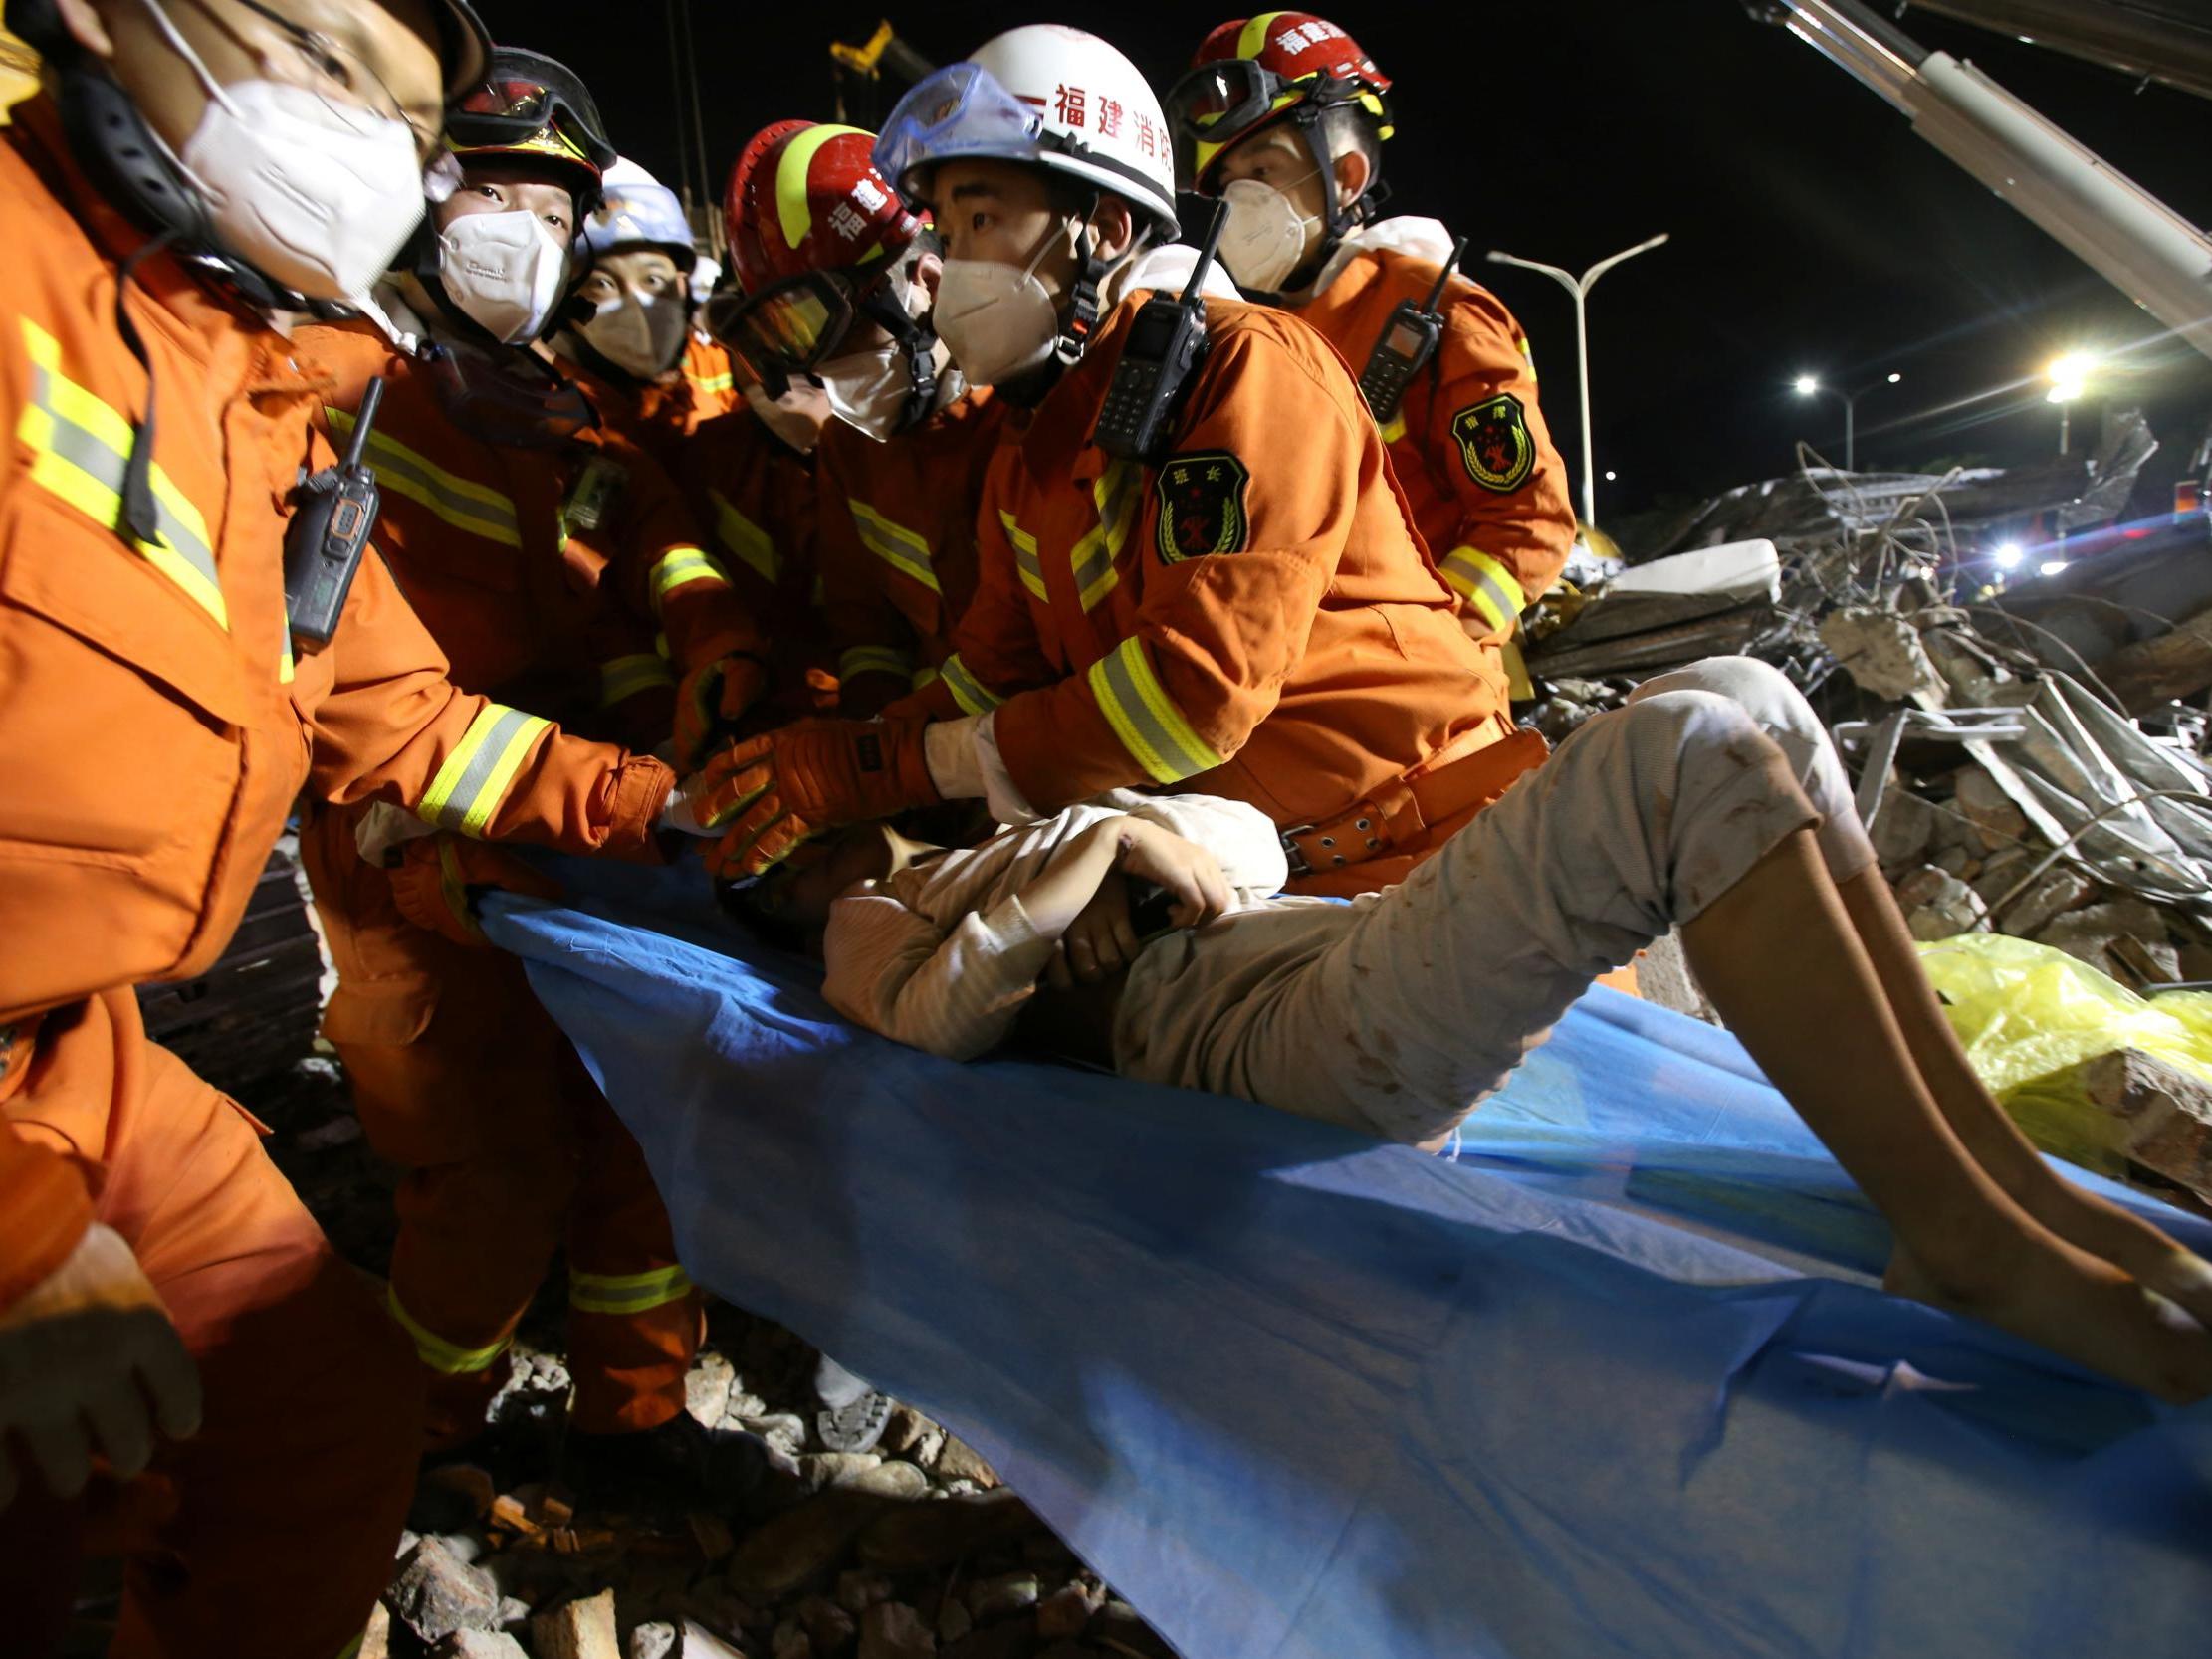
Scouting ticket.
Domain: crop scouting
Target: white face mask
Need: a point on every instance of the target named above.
(870, 390)
(1264, 240)
(504, 270)
(314, 195)
(998, 323)
(639, 334)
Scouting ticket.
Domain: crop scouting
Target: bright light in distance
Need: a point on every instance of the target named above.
(1807, 385)
(1894, 378)
(2068, 376)
(1610, 477)
(2052, 567)
(2008, 555)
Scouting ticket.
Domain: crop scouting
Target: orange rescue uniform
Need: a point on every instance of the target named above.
(660, 416)
(1469, 443)
(754, 498)
(542, 571)
(898, 545)
(1251, 618)
(155, 732)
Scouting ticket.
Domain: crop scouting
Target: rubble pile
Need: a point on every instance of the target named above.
(910, 1552)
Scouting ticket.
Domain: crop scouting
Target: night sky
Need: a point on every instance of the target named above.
(1811, 232)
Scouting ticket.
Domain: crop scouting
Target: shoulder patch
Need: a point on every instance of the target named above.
(1494, 443)
(1202, 506)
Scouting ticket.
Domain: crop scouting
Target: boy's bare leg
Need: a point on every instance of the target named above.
(2081, 1219)
(1783, 962)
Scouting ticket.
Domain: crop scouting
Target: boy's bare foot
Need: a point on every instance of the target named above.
(2128, 1242)
(2078, 1305)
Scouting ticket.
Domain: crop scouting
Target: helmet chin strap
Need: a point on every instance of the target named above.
(1079, 318)
(1338, 217)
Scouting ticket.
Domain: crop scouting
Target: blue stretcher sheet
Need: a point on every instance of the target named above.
(1617, 1383)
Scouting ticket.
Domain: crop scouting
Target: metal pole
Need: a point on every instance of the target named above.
(1580, 288)
(1850, 435)
(2065, 421)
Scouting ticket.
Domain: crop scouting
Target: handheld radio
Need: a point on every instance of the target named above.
(1166, 340)
(328, 534)
(1409, 341)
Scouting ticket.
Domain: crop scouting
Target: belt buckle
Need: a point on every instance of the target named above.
(1294, 853)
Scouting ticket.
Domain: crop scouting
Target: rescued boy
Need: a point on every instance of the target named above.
(1713, 801)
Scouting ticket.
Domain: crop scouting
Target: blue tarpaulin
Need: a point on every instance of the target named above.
(1618, 1381)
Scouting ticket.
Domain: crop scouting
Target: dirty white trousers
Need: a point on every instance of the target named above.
(1398, 1012)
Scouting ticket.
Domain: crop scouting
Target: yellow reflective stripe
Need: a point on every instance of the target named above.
(1095, 558)
(970, 692)
(81, 453)
(710, 382)
(434, 1350)
(622, 678)
(925, 675)
(1487, 584)
(1529, 353)
(873, 659)
(1025, 559)
(353, 1648)
(1396, 430)
(1150, 727)
(475, 777)
(791, 209)
(1251, 40)
(286, 669)
(466, 506)
(746, 539)
(894, 543)
(679, 567)
(627, 1293)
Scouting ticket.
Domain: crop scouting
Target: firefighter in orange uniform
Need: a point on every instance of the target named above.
(1283, 119)
(542, 552)
(833, 267)
(156, 724)
(1243, 610)
(628, 329)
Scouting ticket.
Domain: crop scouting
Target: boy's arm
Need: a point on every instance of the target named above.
(1242, 838)
(955, 991)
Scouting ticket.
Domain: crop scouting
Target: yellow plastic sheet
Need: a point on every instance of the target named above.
(2028, 1015)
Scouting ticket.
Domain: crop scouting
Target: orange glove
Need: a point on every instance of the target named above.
(767, 796)
(711, 700)
(437, 877)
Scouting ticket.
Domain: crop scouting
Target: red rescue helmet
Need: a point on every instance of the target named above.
(1257, 70)
(813, 228)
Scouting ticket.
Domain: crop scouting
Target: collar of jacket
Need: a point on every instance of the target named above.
(1057, 444)
(197, 317)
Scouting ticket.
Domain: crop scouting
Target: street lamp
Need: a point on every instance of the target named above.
(2069, 378)
(1580, 288)
(1806, 386)
(2009, 556)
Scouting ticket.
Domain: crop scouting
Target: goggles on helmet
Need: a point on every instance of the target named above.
(527, 115)
(961, 111)
(1218, 102)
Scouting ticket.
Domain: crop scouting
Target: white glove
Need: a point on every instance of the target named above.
(679, 814)
(385, 829)
(89, 1363)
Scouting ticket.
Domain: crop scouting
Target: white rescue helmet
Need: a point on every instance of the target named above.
(1047, 95)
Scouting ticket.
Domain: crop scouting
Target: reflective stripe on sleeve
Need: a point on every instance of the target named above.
(474, 508)
(680, 567)
(474, 780)
(1396, 430)
(622, 678)
(874, 659)
(447, 1358)
(1025, 560)
(895, 544)
(970, 692)
(709, 382)
(627, 1293)
(1095, 558)
(742, 537)
(925, 675)
(80, 452)
(1150, 727)
(1487, 584)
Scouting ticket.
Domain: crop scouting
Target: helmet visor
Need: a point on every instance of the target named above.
(525, 114)
(961, 111)
(792, 326)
